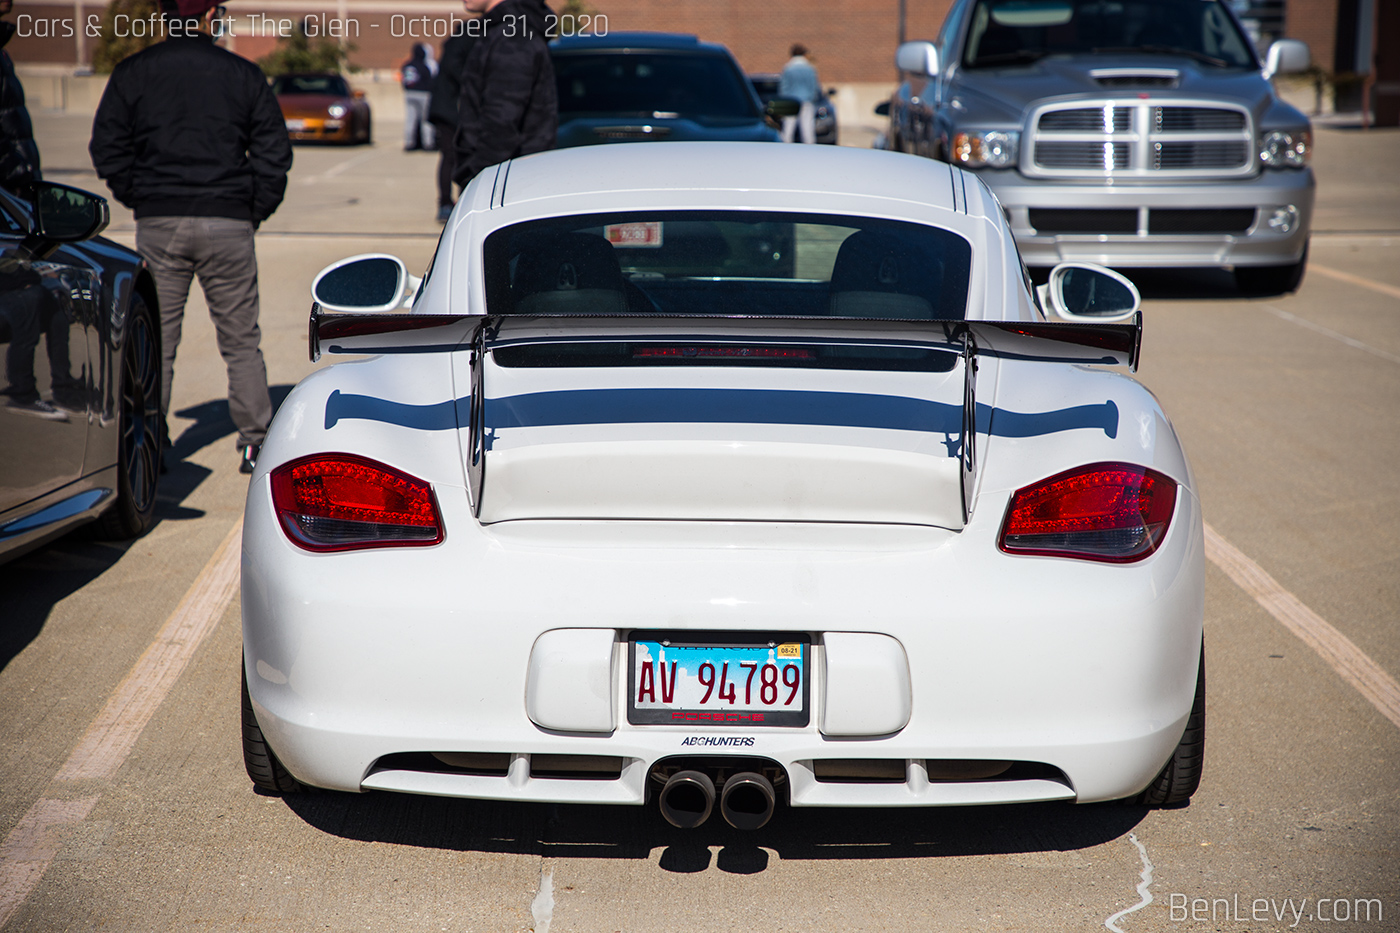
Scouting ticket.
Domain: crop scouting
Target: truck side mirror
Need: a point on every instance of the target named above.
(1286, 57)
(920, 58)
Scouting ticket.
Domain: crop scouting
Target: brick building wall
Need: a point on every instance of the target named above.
(851, 41)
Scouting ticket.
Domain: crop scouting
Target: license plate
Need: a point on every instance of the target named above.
(296, 126)
(718, 679)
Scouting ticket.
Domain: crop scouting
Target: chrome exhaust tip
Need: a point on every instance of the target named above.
(747, 801)
(688, 798)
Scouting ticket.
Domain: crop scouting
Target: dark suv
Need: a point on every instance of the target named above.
(638, 86)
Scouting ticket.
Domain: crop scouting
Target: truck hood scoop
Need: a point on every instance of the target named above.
(1130, 78)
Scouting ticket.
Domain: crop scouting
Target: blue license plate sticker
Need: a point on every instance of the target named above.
(761, 683)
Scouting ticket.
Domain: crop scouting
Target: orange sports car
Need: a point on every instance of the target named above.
(322, 108)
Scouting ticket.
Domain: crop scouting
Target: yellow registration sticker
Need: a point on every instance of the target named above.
(791, 650)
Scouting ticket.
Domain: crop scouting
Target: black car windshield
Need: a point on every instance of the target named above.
(311, 84)
(647, 84)
(728, 263)
(1007, 32)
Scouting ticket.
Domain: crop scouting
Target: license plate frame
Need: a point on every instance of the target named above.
(717, 648)
(296, 126)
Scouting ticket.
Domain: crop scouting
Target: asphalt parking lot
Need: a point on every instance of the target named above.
(1288, 405)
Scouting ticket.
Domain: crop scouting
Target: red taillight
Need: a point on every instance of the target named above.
(1114, 512)
(339, 502)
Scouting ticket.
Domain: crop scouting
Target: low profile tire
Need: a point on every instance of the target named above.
(139, 421)
(1271, 280)
(1182, 774)
(261, 764)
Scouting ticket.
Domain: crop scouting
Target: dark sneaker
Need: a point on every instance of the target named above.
(250, 458)
(38, 408)
(444, 213)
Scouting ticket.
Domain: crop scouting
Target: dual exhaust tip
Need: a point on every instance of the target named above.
(746, 802)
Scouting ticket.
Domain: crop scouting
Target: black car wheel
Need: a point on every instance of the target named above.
(1182, 774)
(261, 764)
(138, 450)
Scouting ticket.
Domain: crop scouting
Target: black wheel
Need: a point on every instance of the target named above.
(262, 765)
(1182, 773)
(1271, 280)
(138, 449)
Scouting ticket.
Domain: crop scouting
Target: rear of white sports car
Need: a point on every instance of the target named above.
(624, 544)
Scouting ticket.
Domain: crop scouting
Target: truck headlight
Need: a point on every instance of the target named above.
(1285, 150)
(994, 149)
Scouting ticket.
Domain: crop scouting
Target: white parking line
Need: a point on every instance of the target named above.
(30, 847)
(1350, 279)
(1368, 677)
(1349, 341)
(1143, 888)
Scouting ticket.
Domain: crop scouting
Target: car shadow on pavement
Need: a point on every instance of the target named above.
(624, 832)
(1185, 284)
(34, 583)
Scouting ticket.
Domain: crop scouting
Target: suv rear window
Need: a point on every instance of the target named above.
(649, 84)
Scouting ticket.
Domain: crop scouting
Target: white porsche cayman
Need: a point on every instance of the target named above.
(725, 476)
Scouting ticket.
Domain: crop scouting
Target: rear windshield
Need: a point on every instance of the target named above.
(311, 84)
(644, 84)
(1007, 32)
(728, 263)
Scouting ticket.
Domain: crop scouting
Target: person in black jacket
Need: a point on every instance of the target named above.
(19, 156)
(509, 106)
(190, 137)
(442, 111)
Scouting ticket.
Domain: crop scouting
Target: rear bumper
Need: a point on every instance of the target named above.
(1084, 669)
(1254, 243)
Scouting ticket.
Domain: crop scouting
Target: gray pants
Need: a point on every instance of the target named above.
(220, 251)
(804, 123)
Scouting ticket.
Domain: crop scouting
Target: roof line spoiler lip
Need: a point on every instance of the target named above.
(1117, 344)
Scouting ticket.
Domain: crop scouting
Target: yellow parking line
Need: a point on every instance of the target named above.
(1347, 277)
(27, 851)
(1340, 652)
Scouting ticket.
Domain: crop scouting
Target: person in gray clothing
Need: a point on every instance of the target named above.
(190, 137)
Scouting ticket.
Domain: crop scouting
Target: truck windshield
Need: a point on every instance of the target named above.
(1008, 32)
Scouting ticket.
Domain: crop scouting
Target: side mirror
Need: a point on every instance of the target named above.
(358, 93)
(67, 215)
(882, 109)
(1286, 57)
(920, 58)
(368, 283)
(1086, 293)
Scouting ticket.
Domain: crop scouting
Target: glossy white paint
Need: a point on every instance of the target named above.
(929, 643)
(569, 686)
(866, 678)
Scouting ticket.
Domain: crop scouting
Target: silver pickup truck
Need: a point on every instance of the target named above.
(1123, 132)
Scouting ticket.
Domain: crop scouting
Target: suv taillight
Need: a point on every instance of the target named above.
(339, 502)
(1114, 512)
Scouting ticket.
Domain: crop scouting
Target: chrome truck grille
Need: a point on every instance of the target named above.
(1139, 139)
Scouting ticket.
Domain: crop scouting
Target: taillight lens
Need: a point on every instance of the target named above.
(1114, 512)
(339, 502)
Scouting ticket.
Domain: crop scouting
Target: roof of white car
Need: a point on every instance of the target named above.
(722, 166)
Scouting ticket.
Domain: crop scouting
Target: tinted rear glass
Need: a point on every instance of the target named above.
(644, 84)
(722, 263)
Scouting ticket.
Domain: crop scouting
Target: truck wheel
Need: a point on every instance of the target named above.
(1271, 280)
(1182, 773)
(139, 421)
(261, 764)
